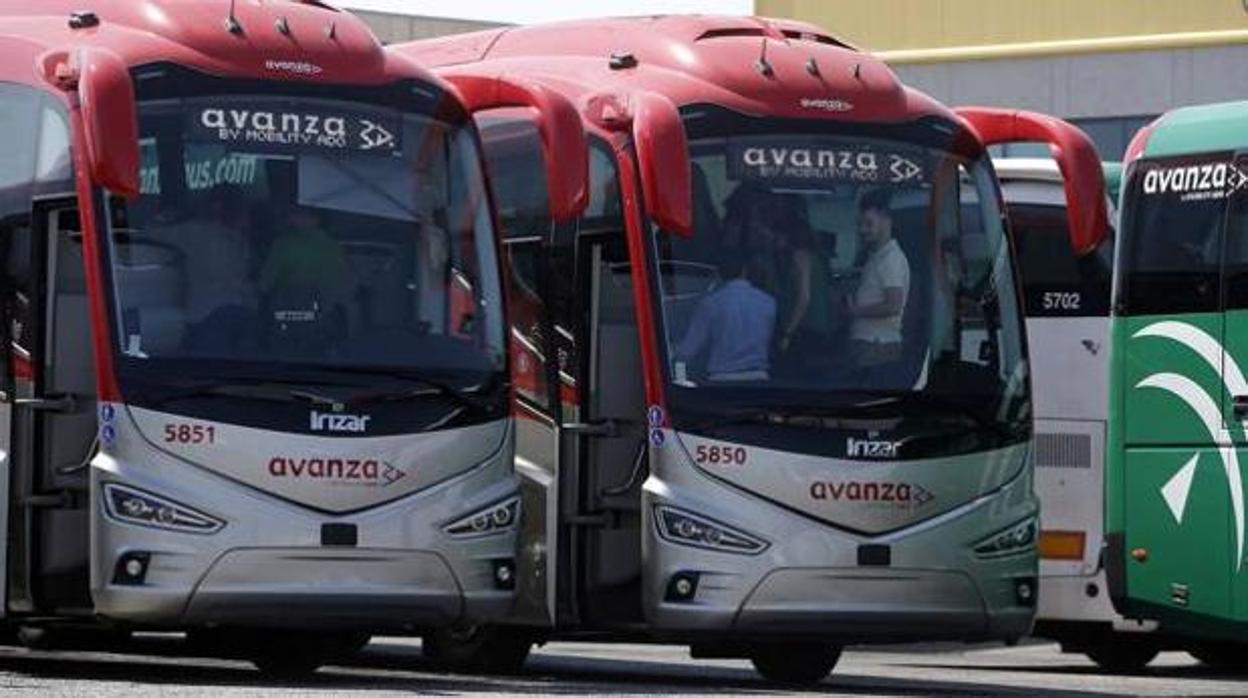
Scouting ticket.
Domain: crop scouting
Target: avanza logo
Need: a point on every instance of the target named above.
(263, 121)
(871, 448)
(899, 493)
(339, 470)
(832, 105)
(351, 423)
(1211, 180)
(297, 67)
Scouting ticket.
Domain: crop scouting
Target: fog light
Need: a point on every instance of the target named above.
(131, 568)
(504, 574)
(683, 586)
(1025, 592)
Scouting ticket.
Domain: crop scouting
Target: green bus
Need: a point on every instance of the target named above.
(1178, 413)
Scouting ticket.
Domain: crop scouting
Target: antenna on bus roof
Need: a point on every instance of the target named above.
(762, 64)
(232, 25)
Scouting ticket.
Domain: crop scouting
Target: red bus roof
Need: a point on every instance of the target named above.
(278, 39)
(750, 64)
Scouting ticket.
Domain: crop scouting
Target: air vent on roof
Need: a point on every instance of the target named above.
(790, 34)
(811, 36)
(320, 4)
(730, 31)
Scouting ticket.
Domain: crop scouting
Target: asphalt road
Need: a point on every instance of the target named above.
(156, 667)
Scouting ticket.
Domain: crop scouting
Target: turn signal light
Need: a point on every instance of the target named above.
(1062, 545)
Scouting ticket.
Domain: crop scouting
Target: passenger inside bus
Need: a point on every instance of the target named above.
(732, 325)
(879, 302)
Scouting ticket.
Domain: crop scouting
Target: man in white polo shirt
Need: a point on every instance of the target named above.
(877, 305)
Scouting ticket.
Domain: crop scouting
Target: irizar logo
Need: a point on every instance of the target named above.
(871, 448)
(1178, 488)
(350, 423)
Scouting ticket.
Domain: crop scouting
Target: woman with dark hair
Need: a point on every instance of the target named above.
(802, 275)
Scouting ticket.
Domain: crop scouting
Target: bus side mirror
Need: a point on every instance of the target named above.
(110, 120)
(564, 148)
(663, 158)
(1080, 164)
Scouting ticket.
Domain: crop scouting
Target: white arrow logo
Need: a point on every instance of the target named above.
(1179, 487)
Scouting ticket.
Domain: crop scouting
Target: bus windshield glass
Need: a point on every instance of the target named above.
(840, 270)
(307, 230)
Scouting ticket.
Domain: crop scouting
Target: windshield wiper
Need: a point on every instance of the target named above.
(920, 400)
(787, 417)
(236, 388)
(466, 397)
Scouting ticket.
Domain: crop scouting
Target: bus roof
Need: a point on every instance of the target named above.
(283, 39)
(751, 64)
(1045, 170)
(1204, 129)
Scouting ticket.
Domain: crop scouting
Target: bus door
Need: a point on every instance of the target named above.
(54, 423)
(607, 444)
(1235, 340)
(1179, 464)
(517, 176)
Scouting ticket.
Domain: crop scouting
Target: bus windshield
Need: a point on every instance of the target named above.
(841, 270)
(307, 230)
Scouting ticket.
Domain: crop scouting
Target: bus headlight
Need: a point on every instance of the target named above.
(492, 519)
(1019, 538)
(133, 506)
(685, 528)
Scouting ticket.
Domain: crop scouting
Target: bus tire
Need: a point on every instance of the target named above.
(296, 654)
(1221, 655)
(795, 663)
(43, 637)
(490, 649)
(1122, 656)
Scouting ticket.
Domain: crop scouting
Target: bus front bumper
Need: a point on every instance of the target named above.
(401, 590)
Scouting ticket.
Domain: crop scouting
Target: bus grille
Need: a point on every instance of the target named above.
(1063, 451)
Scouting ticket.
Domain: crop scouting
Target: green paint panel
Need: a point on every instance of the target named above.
(1236, 342)
(1192, 560)
(1206, 128)
(1155, 415)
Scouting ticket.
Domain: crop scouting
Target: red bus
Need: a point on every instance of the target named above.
(254, 376)
(772, 385)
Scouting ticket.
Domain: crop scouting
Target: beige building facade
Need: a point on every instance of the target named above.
(1110, 65)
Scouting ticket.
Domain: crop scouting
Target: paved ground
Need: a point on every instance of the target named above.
(393, 666)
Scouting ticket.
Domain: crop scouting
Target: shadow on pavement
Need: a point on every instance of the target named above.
(400, 668)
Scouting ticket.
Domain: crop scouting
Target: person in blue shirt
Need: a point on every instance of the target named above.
(732, 326)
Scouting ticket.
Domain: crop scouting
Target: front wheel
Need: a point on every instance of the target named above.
(795, 664)
(478, 648)
(1123, 657)
(280, 653)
